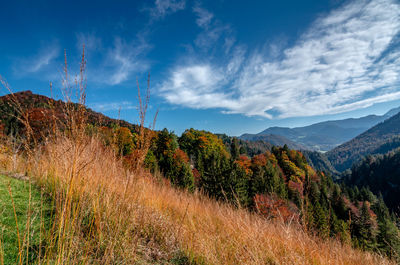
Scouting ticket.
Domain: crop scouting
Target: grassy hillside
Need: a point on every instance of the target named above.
(109, 215)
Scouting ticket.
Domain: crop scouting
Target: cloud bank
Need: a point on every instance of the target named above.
(346, 60)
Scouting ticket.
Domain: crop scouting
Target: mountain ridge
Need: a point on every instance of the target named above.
(326, 135)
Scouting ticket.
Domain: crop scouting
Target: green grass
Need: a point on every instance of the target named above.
(32, 219)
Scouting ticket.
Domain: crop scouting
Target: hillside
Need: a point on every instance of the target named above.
(381, 173)
(205, 190)
(319, 161)
(42, 111)
(153, 223)
(323, 136)
(380, 139)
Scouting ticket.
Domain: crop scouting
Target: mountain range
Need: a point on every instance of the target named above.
(322, 136)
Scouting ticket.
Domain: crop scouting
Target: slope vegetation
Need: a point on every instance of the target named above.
(381, 173)
(110, 215)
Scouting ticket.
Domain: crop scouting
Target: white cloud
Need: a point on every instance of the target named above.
(124, 105)
(90, 40)
(204, 16)
(124, 60)
(38, 62)
(118, 63)
(344, 61)
(212, 30)
(163, 8)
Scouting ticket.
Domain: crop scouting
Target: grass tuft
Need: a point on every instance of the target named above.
(17, 217)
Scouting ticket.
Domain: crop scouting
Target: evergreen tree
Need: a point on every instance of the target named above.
(388, 239)
(366, 236)
(239, 186)
(321, 223)
(235, 152)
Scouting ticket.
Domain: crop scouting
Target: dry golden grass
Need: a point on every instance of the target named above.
(107, 215)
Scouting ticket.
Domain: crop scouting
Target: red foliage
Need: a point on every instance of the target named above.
(196, 175)
(353, 209)
(2, 127)
(271, 206)
(296, 186)
(42, 121)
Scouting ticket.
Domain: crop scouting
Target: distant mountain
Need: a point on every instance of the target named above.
(392, 112)
(273, 139)
(380, 139)
(323, 136)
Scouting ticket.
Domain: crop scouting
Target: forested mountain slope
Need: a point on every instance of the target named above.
(380, 139)
(381, 173)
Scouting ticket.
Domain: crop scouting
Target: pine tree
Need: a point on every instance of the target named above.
(388, 239)
(366, 237)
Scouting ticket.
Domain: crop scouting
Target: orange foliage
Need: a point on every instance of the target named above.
(244, 162)
(259, 160)
(204, 142)
(312, 174)
(181, 156)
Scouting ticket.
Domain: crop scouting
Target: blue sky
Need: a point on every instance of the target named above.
(225, 66)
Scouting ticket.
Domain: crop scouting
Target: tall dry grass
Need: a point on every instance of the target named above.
(109, 214)
(97, 222)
